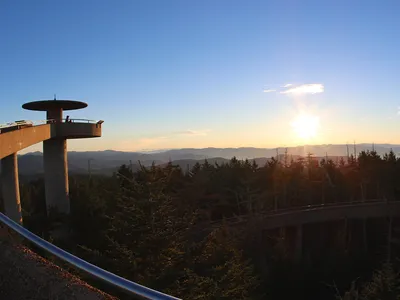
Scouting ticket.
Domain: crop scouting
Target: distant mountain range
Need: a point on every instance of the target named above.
(107, 161)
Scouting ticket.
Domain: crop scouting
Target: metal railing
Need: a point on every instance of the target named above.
(28, 123)
(11, 126)
(7, 125)
(80, 121)
(131, 288)
(23, 123)
(288, 210)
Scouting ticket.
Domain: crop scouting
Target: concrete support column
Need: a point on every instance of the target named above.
(55, 114)
(389, 241)
(56, 175)
(345, 234)
(10, 187)
(365, 238)
(299, 242)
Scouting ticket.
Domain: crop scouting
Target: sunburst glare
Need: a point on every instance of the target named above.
(305, 126)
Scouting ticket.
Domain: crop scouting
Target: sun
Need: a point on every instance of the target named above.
(305, 126)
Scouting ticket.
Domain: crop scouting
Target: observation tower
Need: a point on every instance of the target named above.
(55, 147)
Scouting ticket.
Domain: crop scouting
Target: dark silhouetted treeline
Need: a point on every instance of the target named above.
(171, 229)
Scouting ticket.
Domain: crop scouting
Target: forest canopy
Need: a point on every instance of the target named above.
(174, 230)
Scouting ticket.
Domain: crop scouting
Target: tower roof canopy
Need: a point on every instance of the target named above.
(45, 105)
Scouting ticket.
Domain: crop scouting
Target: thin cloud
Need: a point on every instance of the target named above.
(287, 85)
(190, 132)
(398, 110)
(269, 91)
(313, 88)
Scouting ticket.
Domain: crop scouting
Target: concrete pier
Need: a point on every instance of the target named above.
(10, 187)
(389, 241)
(346, 233)
(56, 175)
(55, 114)
(364, 233)
(299, 242)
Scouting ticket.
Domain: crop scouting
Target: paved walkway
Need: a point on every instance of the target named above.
(25, 275)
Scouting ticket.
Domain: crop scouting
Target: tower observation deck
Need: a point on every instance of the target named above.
(55, 148)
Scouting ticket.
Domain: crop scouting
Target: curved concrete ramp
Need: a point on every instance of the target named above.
(361, 210)
(25, 275)
(16, 140)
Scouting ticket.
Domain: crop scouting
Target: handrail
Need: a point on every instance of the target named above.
(282, 211)
(325, 206)
(19, 125)
(80, 121)
(132, 288)
(42, 122)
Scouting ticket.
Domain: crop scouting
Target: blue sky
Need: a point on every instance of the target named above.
(173, 74)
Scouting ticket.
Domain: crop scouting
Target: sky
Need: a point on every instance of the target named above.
(177, 74)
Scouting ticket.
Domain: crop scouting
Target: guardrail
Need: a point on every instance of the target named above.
(7, 125)
(80, 121)
(23, 123)
(26, 123)
(131, 288)
(282, 211)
